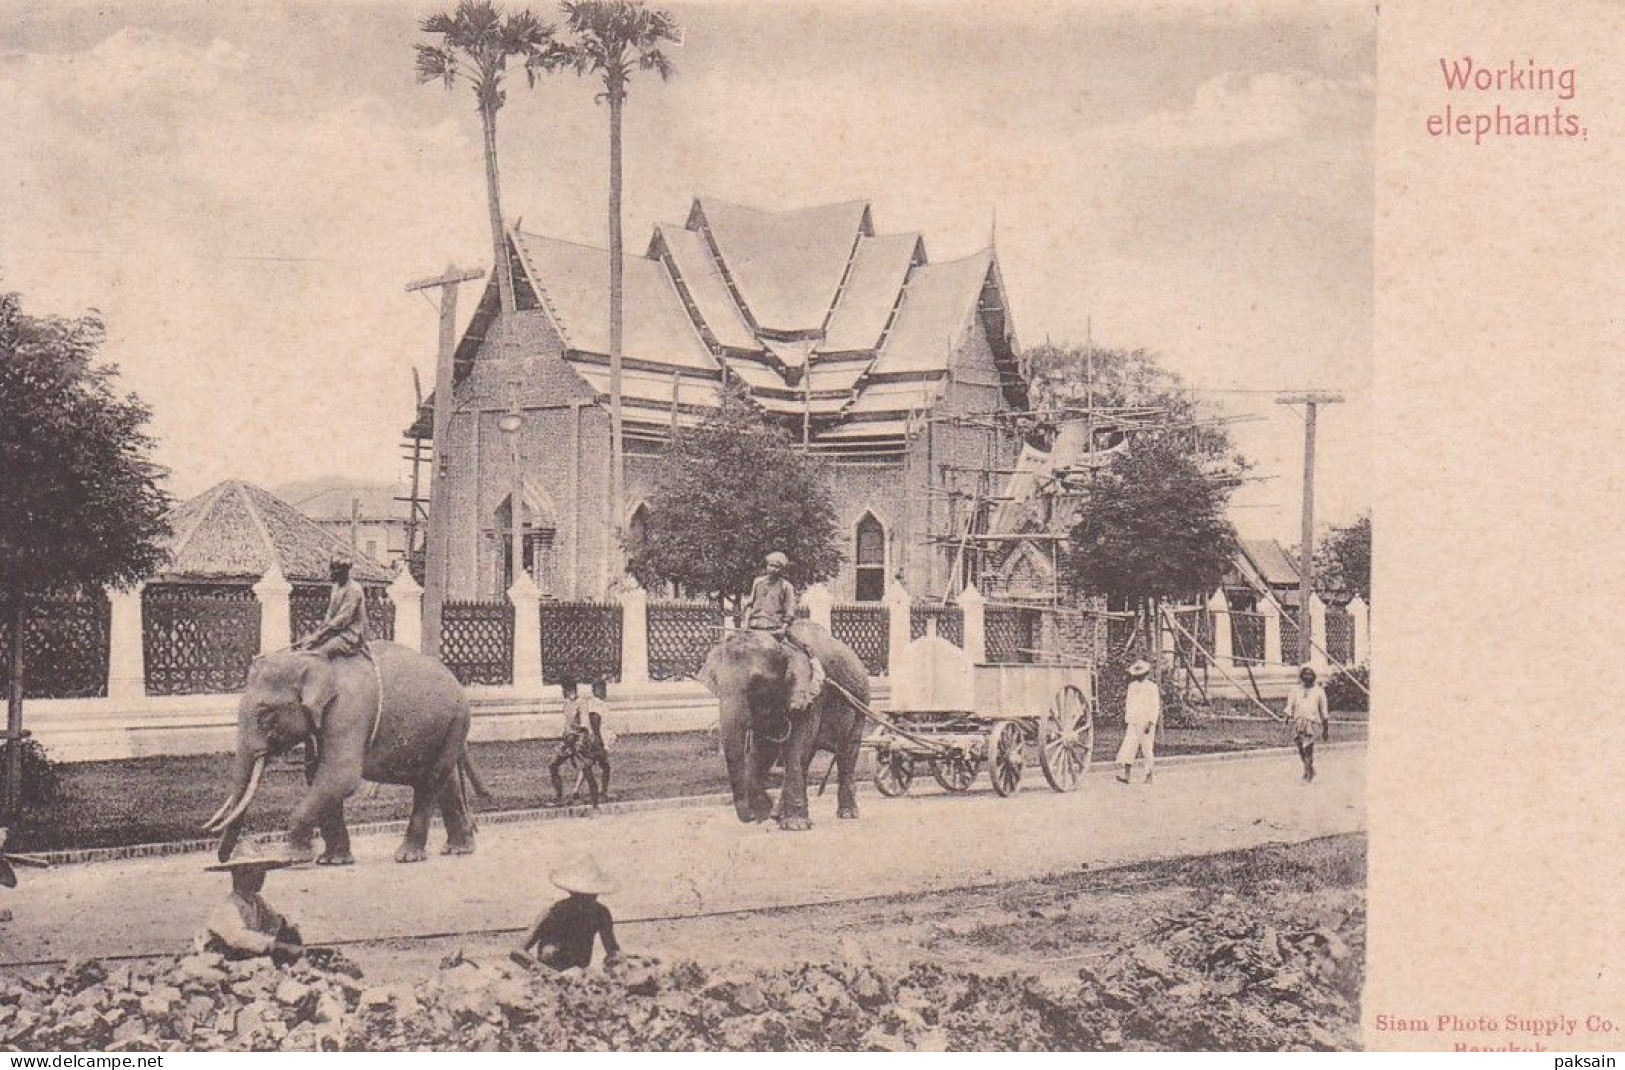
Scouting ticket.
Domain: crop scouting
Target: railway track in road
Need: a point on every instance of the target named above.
(1112, 879)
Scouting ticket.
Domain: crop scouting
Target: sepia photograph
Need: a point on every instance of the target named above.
(660, 525)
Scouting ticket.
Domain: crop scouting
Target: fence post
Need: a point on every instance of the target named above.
(1317, 633)
(527, 633)
(1360, 628)
(126, 664)
(408, 598)
(276, 617)
(818, 601)
(634, 635)
(974, 608)
(1272, 632)
(1223, 654)
(899, 624)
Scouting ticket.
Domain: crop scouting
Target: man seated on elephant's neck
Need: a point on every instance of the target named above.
(246, 926)
(772, 609)
(344, 632)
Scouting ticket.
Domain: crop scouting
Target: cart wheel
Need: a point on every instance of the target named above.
(1066, 743)
(955, 773)
(893, 773)
(1007, 753)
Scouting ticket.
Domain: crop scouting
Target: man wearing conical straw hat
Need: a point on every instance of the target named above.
(245, 925)
(564, 936)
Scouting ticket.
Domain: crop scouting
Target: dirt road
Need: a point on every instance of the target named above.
(691, 862)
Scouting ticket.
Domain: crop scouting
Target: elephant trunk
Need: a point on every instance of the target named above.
(245, 785)
(734, 724)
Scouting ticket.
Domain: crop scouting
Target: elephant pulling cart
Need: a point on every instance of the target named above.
(1016, 710)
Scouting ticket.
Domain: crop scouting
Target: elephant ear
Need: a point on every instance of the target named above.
(317, 689)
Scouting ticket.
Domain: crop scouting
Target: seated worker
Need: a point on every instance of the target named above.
(564, 936)
(576, 744)
(245, 925)
(772, 609)
(344, 632)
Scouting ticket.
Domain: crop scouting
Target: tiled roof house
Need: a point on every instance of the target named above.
(858, 342)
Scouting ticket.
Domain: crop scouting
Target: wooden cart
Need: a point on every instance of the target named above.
(1016, 710)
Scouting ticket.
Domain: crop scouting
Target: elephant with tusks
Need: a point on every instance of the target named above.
(414, 732)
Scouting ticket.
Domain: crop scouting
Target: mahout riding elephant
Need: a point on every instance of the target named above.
(748, 672)
(415, 736)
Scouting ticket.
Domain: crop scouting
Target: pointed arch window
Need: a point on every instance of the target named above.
(870, 559)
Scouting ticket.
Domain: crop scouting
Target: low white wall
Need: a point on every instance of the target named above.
(89, 730)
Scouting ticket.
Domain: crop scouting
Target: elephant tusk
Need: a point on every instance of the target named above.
(242, 803)
(231, 800)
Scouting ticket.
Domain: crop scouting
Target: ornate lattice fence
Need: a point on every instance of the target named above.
(380, 613)
(581, 641)
(1294, 651)
(866, 629)
(1013, 634)
(307, 608)
(950, 622)
(64, 647)
(680, 635)
(1247, 637)
(198, 638)
(1340, 636)
(476, 641)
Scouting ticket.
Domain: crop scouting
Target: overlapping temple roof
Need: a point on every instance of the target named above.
(824, 322)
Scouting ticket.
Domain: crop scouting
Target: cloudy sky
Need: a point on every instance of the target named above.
(243, 192)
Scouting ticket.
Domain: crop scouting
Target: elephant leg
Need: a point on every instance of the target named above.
(454, 813)
(413, 846)
(846, 772)
(797, 759)
(327, 794)
(335, 838)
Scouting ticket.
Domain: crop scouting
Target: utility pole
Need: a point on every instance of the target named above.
(355, 522)
(436, 550)
(1311, 400)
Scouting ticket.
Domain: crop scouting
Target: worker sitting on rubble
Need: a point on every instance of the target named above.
(564, 936)
(772, 608)
(245, 925)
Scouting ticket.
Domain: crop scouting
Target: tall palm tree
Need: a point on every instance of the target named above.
(476, 43)
(612, 39)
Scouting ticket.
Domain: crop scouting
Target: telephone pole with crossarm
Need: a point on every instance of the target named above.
(1311, 400)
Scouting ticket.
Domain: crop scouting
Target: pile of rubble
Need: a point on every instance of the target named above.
(1218, 977)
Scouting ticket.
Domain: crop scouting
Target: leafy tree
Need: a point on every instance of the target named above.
(476, 43)
(728, 493)
(83, 505)
(1152, 526)
(1343, 560)
(612, 39)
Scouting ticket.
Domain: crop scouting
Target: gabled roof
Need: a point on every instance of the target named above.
(234, 531)
(786, 266)
(1271, 561)
(572, 284)
(808, 308)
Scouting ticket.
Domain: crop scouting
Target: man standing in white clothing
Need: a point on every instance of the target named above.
(1142, 709)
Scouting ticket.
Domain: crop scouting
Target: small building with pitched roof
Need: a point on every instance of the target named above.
(885, 363)
(234, 532)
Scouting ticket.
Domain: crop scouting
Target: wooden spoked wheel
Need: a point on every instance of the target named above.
(894, 773)
(1066, 739)
(956, 772)
(1007, 755)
